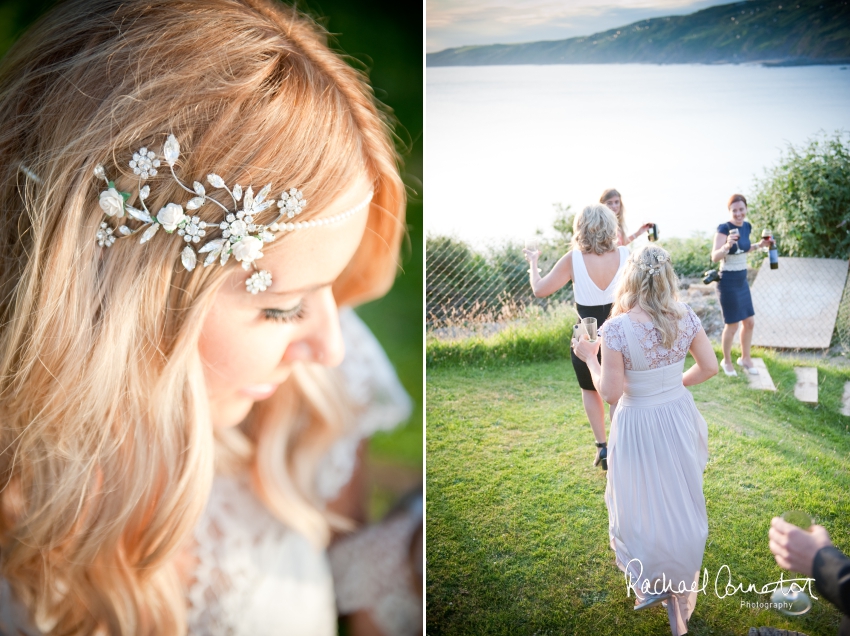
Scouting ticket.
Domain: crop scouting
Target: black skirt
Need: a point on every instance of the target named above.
(601, 313)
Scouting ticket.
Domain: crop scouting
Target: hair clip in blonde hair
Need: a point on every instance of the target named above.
(241, 236)
(649, 267)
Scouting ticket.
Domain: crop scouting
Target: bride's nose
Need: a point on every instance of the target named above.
(321, 342)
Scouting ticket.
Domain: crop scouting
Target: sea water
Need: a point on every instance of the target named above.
(504, 143)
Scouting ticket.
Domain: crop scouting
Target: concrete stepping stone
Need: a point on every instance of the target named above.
(806, 389)
(845, 400)
(762, 381)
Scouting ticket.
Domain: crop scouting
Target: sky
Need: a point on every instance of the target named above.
(452, 23)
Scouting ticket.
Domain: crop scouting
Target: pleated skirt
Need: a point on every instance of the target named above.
(657, 519)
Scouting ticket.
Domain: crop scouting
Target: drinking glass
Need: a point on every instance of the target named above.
(532, 244)
(766, 233)
(735, 233)
(589, 325)
(800, 603)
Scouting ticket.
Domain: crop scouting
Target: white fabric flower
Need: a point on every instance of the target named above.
(111, 202)
(248, 249)
(170, 216)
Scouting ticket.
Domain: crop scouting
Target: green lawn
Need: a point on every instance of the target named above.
(517, 529)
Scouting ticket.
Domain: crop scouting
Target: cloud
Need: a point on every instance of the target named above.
(465, 22)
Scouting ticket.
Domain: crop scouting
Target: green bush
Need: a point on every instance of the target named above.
(691, 257)
(805, 200)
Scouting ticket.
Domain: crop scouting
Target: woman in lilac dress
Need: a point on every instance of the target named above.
(658, 447)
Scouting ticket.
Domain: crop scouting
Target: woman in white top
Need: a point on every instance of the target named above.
(594, 265)
(659, 441)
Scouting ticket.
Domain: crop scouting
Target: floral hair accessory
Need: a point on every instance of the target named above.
(651, 268)
(241, 236)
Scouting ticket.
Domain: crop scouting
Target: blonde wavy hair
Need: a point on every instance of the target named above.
(649, 282)
(608, 194)
(107, 446)
(595, 230)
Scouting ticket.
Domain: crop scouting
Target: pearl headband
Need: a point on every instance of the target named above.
(241, 237)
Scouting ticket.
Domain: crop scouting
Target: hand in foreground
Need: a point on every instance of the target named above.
(646, 227)
(585, 350)
(794, 548)
(765, 243)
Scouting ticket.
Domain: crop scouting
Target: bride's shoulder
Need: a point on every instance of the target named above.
(614, 324)
(616, 320)
(686, 308)
(689, 316)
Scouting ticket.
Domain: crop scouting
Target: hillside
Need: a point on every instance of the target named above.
(768, 31)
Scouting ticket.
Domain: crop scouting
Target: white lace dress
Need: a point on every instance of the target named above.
(255, 576)
(657, 451)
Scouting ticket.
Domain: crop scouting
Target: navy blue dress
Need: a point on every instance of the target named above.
(736, 304)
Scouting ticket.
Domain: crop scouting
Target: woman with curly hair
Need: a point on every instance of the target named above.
(594, 265)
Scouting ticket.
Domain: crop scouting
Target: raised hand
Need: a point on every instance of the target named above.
(531, 255)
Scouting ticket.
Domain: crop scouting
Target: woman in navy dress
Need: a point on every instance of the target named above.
(736, 303)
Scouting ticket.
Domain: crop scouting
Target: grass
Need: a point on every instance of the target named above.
(517, 529)
(542, 335)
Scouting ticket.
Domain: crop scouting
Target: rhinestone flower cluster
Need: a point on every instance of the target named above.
(650, 268)
(241, 236)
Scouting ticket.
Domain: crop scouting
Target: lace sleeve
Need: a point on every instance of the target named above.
(615, 338)
(613, 333)
(374, 388)
(692, 324)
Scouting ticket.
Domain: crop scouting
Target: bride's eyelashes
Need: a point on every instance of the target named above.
(292, 314)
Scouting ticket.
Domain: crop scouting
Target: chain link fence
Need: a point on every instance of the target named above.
(473, 291)
(805, 304)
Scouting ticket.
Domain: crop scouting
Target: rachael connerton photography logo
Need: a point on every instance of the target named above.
(721, 590)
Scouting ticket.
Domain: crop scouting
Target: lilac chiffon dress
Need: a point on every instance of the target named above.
(657, 452)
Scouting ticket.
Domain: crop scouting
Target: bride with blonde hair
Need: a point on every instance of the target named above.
(658, 446)
(191, 191)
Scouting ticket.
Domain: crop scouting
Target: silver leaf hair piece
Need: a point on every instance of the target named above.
(241, 236)
(652, 268)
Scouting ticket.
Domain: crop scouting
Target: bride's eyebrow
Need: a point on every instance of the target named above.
(293, 292)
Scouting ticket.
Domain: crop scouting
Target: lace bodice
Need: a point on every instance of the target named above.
(650, 339)
(255, 575)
